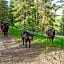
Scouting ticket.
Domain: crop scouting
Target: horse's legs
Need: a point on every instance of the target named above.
(7, 34)
(4, 34)
(25, 43)
(23, 40)
(29, 43)
(52, 39)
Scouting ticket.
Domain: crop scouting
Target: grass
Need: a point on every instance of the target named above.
(38, 39)
(14, 32)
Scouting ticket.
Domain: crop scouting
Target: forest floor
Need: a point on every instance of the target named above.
(13, 52)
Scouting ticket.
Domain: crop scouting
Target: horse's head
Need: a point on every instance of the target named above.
(50, 33)
(3, 27)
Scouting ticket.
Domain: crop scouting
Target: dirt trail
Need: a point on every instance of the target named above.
(13, 52)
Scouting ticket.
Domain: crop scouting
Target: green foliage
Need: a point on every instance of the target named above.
(62, 23)
(14, 32)
(4, 10)
(34, 15)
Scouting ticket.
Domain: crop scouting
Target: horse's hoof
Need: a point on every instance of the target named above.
(4, 36)
(25, 47)
(23, 44)
(29, 46)
(7, 35)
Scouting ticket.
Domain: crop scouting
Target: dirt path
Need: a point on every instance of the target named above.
(13, 52)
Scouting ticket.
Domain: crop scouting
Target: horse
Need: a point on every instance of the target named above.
(50, 33)
(4, 28)
(27, 37)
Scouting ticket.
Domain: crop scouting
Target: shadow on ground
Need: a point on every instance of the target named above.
(15, 52)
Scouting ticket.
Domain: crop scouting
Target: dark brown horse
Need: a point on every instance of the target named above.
(4, 28)
(27, 37)
(50, 33)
